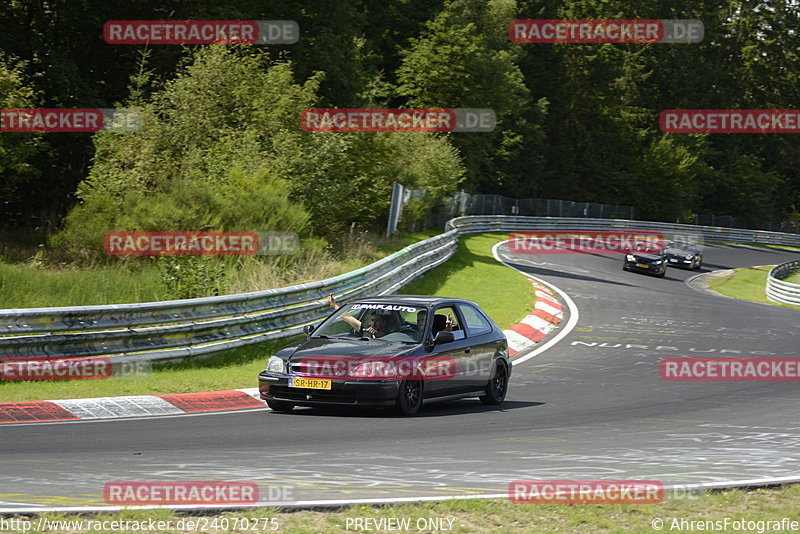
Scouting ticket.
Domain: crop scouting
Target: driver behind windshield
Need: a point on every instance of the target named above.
(380, 324)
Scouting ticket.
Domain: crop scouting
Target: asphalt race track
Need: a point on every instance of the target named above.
(591, 407)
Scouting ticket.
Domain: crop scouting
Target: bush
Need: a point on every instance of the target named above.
(187, 277)
(243, 202)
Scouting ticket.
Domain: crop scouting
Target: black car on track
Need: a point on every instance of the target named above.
(685, 255)
(392, 351)
(646, 259)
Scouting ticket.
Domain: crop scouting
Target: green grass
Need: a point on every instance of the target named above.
(747, 284)
(232, 369)
(28, 280)
(499, 515)
(473, 273)
(762, 245)
(23, 285)
(793, 278)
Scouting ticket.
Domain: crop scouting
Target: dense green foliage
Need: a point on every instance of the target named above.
(576, 121)
(220, 150)
(18, 151)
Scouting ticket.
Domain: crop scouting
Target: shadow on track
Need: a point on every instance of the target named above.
(561, 274)
(456, 407)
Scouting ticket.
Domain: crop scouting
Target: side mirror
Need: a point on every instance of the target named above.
(443, 336)
(307, 329)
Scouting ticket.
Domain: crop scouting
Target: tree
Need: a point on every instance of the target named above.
(463, 59)
(18, 151)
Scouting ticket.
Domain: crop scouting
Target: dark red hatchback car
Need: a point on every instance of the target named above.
(393, 351)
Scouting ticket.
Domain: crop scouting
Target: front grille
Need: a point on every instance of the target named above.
(319, 370)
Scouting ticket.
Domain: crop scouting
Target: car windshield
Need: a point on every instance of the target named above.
(684, 246)
(646, 248)
(399, 323)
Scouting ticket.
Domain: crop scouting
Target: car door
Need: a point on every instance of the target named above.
(483, 345)
(453, 377)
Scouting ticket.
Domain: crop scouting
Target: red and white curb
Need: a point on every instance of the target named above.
(132, 406)
(544, 318)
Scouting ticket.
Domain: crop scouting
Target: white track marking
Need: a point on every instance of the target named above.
(573, 310)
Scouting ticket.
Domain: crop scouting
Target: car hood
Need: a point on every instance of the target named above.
(679, 251)
(316, 348)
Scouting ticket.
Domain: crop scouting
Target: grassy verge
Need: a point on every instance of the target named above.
(471, 273)
(23, 285)
(763, 245)
(27, 280)
(496, 516)
(747, 284)
(232, 369)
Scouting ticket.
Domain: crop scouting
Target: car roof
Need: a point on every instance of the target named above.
(413, 300)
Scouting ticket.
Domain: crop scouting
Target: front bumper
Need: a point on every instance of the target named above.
(342, 393)
(634, 266)
(678, 261)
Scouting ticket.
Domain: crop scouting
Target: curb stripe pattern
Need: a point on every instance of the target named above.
(23, 412)
(542, 320)
(132, 406)
(212, 401)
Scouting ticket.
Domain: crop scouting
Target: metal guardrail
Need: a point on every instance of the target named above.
(780, 291)
(506, 223)
(174, 330)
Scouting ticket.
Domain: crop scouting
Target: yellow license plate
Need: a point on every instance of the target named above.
(309, 383)
(642, 265)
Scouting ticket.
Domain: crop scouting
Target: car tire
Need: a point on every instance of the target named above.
(409, 397)
(280, 406)
(497, 387)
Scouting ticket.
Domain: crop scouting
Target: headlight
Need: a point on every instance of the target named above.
(689, 256)
(657, 262)
(630, 257)
(275, 364)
